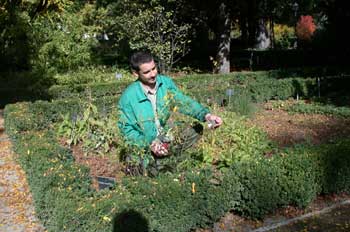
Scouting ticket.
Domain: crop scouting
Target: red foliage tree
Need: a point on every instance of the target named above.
(305, 28)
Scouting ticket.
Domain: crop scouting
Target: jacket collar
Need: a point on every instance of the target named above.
(141, 96)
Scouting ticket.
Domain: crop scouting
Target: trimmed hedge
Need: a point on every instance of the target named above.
(41, 114)
(265, 84)
(85, 90)
(65, 201)
(258, 90)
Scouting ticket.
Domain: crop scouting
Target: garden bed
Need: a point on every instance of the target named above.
(243, 171)
(99, 166)
(288, 129)
(283, 128)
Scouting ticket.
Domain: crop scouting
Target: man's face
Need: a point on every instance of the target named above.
(147, 73)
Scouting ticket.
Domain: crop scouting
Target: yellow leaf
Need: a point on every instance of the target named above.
(105, 218)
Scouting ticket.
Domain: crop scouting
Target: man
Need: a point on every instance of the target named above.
(144, 106)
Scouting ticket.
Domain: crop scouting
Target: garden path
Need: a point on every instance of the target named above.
(323, 215)
(16, 208)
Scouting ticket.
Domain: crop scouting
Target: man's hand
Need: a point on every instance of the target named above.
(213, 121)
(159, 149)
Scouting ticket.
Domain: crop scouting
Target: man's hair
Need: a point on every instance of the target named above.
(139, 58)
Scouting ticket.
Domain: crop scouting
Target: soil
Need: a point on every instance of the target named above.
(288, 129)
(99, 165)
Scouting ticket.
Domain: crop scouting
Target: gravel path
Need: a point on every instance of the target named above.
(16, 208)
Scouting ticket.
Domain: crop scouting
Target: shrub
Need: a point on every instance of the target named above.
(284, 36)
(96, 131)
(234, 142)
(42, 114)
(87, 90)
(90, 75)
(260, 192)
(305, 28)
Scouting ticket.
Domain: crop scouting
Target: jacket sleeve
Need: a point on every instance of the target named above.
(186, 104)
(128, 127)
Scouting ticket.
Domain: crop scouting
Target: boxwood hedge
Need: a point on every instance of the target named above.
(65, 201)
(259, 85)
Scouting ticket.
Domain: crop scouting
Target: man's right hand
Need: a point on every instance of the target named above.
(213, 121)
(159, 149)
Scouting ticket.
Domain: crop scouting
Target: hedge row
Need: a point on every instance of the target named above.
(28, 86)
(65, 201)
(86, 90)
(187, 83)
(258, 90)
(41, 114)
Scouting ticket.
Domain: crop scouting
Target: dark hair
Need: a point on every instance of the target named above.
(139, 58)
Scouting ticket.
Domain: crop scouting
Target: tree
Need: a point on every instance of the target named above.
(155, 27)
(66, 39)
(213, 19)
(305, 28)
(224, 45)
(18, 19)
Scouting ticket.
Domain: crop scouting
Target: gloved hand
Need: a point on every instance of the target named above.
(159, 148)
(213, 121)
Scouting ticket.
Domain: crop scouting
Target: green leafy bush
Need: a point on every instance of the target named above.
(42, 114)
(260, 192)
(96, 131)
(284, 36)
(65, 40)
(233, 142)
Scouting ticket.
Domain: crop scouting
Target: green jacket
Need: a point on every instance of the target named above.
(136, 117)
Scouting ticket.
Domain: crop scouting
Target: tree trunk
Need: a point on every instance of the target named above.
(223, 55)
(244, 31)
(263, 40)
(272, 32)
(252, 23)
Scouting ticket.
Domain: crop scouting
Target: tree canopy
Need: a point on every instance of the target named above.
(63, 35)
